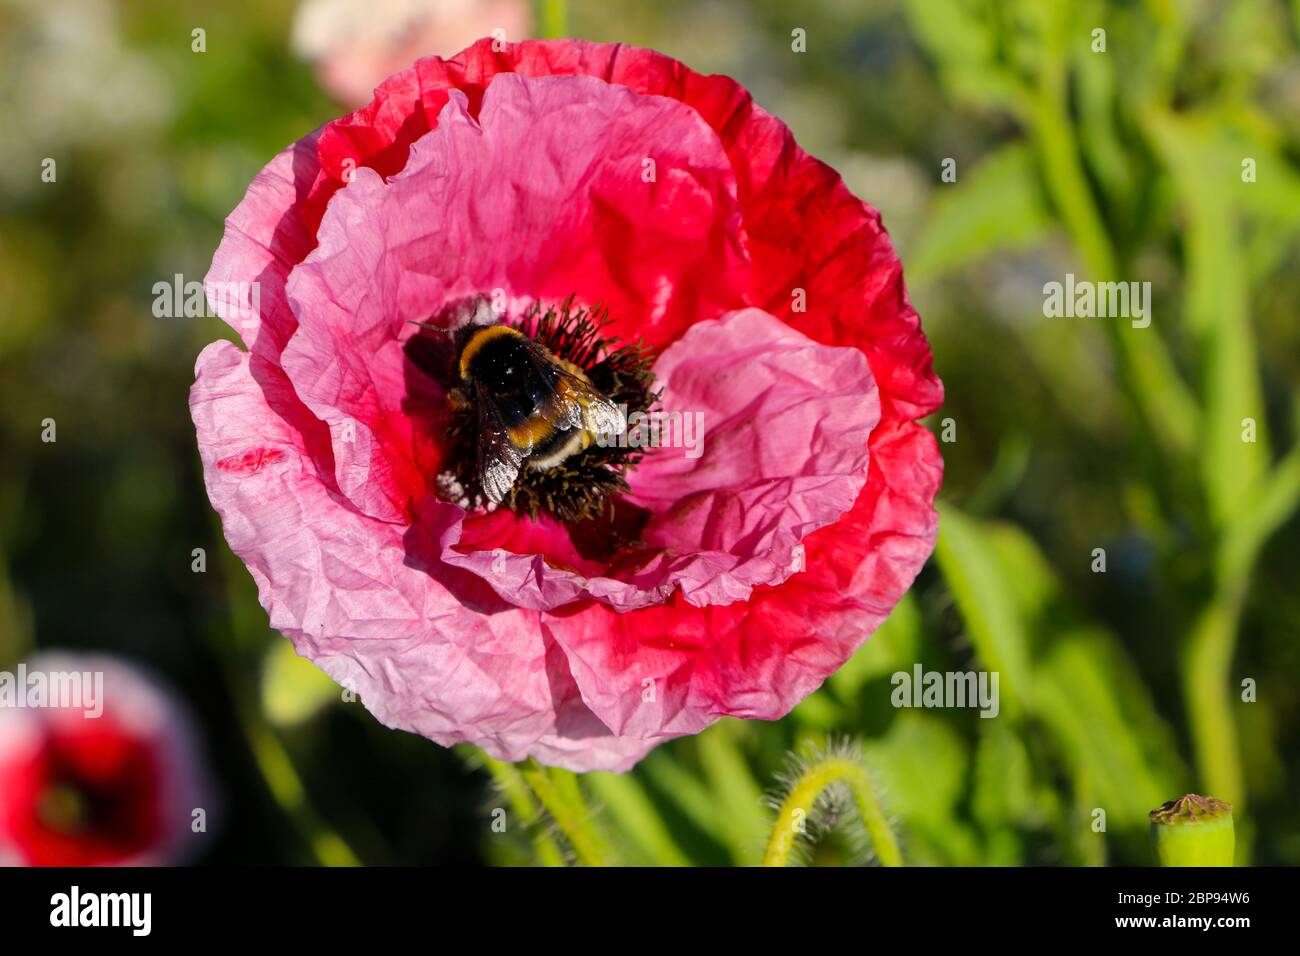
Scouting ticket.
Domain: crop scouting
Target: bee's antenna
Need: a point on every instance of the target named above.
(430, 326)
(474, 311)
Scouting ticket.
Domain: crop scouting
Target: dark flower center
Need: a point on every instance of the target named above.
(65, 807)
(90, 800)
(72, 804)
(585, 486)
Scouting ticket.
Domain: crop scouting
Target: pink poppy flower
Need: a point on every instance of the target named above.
(98, 767)
(726, 579)
(356, 46)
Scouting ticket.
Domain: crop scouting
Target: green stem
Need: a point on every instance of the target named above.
(287, 789)
(1273, 501)
(1164, 403)
(799, 802)
(520, 798)
(625, 800)
(269, 753)
(736, 795)
(1170, 416)
(1163, 400)
(1207, 660)
(559, 794)
(553, 19)
(1207, 664)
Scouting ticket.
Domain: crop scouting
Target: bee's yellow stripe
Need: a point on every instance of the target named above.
(531, 432)
(478, 340)
(541, 424)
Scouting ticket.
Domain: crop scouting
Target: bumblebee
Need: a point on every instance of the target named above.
(533, 408)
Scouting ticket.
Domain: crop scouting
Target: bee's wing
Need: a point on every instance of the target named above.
(576, 403)
(599, 415)
(561, 407)
(498, 457)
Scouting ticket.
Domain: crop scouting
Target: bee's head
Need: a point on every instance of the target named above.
(454, 326)
(460, 338)
(491, 354)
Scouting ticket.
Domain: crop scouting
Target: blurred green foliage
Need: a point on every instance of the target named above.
(1119, 689)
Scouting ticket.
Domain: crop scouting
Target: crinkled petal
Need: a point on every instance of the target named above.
(265, 237)
(760, 657)
(580, 741)
(345, 590)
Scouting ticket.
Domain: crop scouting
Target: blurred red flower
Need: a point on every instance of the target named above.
(120, 787)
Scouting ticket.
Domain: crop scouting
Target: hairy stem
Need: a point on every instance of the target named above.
(515, 789)
(559, 794)
(798, 804)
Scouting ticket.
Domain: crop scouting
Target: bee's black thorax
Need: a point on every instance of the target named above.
(496, 357)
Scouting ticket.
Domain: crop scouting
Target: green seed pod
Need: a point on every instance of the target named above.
(1193, 831)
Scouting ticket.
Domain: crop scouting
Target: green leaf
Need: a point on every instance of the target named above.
(1097, 93)
(293, 688)
(962, 37)
(687, 793)
(1003, 792)
(1106, 725)
(1003, 787)
(894, 646)
(979, 584)
(818, 712)
(1207, 173)
(737, 797)
(921, 766)
(1071, 675)
(922, 761)
(627, 802)
(999, 205)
